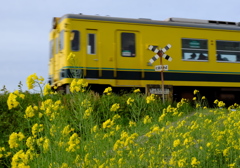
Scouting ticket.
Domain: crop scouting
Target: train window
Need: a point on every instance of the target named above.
(56, 45)
(61, 40)
(194, 49)
(91, 48)
(51, 49)
(128, 45)
(228, 51)
(75, 40)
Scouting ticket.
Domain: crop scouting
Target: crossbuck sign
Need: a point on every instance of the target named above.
(159, 53)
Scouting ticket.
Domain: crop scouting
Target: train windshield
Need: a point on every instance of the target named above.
(51, 49)
(75, 40)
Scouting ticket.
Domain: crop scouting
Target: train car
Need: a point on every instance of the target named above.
(111, 51)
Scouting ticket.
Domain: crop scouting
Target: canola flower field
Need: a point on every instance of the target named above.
(83, 129)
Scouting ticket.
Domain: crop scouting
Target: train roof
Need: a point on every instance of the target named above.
(182, 22)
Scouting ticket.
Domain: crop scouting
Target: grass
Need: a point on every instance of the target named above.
(83, 129)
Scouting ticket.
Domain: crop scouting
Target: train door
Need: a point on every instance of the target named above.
(51, 62)
(56, 60)
(92, 59)
(58, 42)
(128, 68)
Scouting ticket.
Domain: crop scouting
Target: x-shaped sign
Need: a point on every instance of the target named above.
(159, 53)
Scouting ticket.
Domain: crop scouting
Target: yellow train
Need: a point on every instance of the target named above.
(114, 51)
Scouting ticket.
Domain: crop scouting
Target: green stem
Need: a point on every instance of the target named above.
(41, 91)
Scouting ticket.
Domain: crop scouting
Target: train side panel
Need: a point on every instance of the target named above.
(116, 53)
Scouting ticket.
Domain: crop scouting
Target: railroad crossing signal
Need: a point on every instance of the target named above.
(159, 53)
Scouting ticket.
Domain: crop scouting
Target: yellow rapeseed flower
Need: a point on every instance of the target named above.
(36, 128)
(8, 154)
(154, 130)
(129, 139)
(115, 117)
(208, 144)
(29, 112)
(66, 130)
(108, 91)
(147, 119)
(132, 124)
(47, 103)
(120, 162)
(87, 113)
(86, 103)
(194, 162)
(216, 101)
(195, 91)
(221, 104)
(94, 129)
(53, 130)
(65, 165)
(232, 165)
(115, 107)
(162, 116)
(14, 139)
(78, 85)
(136, 91)
(2, 149)
(118, 127)
(21, 95)
(72, 85)
(182, 163)
(73, 142)
(183, 100)
(130, 101)
(47, 90)
(46, 144)
(41, 79)
(118, 145)
(226, 151)
(20, 160)
(198, 105)
(51, 108)
(176, 143)
(33, 79)
(150, 98)
(12, 100)
(108, 124)
(124, 135)
(30, 142)
(20, 136)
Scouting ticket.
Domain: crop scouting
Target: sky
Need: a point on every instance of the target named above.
(25, 26)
